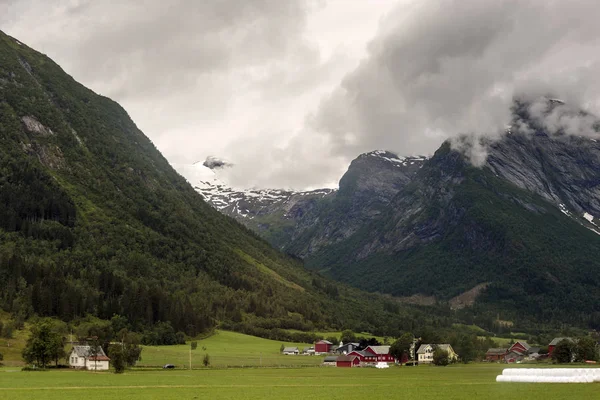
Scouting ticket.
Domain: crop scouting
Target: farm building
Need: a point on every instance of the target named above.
(346, 348)
(495, 354)
(363, 356)
(556, 341)
(308, 351)
(330, 360)
(513, 357)
(381, 353)
(521, 347)
(323, 346)
(290, 351)
(520, 351)
(82, 357)
(347, 361)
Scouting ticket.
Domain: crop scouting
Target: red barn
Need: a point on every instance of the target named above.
(520, 347)
(556, 341)
(495, 354)
(347, 361)
(381, 353)
(323, 346)
(363, 356)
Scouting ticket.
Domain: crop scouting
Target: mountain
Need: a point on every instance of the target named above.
(303, 222)
(518, 235)
(94, 220)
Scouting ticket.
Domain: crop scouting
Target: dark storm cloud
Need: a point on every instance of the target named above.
(247, 80)
(441, 68)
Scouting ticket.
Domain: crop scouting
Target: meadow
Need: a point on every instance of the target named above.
(475, 381)
(228, 349)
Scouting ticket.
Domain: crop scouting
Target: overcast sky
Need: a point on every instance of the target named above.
(290, 91)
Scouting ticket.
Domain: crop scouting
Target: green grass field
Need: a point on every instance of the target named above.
(424, 382)
(228, 349)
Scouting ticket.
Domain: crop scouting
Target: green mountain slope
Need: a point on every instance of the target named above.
(455, 226)
(93, 219)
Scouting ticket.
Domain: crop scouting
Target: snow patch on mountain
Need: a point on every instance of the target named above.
(237, 202)
(587, 216)
(399, 161)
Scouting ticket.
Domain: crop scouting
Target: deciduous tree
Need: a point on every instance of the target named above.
(400, 349)
(44, 345)
(440, 357)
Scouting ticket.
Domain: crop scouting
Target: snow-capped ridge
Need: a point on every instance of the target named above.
(400, 161)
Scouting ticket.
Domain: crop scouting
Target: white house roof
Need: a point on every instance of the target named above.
(424, 348)
(85, 351)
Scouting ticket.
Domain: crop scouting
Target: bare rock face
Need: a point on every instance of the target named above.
(563, 170)
(32, 125)
(365, 191)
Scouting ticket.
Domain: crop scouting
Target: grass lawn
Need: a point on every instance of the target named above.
(228, 349)
(424, 382)
(11, 348)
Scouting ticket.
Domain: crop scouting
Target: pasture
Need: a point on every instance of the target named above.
(228, 349)
(475, 381)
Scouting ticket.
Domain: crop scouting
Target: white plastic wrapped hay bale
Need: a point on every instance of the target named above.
(550, 375)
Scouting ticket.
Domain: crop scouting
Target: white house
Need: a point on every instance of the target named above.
(290, 351)
(80, 357)
(425, 352)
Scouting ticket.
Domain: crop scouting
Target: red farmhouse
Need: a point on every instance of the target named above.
(347, 361)
(382, 353)
(363, 356)
(323, 346)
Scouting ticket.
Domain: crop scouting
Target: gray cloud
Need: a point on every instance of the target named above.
(442, 68)
(213, 162)
(183, 68)
(265, 84)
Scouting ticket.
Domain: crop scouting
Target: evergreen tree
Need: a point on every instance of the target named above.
(117, 358)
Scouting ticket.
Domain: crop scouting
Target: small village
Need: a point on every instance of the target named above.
(352, 355)
(347, 355)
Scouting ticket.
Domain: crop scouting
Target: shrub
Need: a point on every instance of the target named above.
(440, 357)
(563, 352)
(206, 360)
